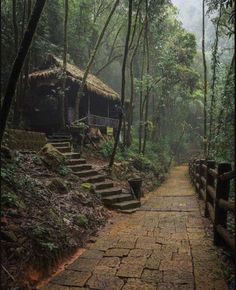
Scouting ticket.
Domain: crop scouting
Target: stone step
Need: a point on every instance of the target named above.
(127, 204)
(58, 140)
(87, 173)
(103, 185)
(72, 155)
(94, 179)
(80, 167)
(129, 211)
(109, 191)
(76, 161)
(59, 135)
(110, 200)
(60, 144)
(64, 149)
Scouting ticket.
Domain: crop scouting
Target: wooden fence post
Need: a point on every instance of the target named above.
(197, 174)
(210, 180)
(201, 173)
(222, 191)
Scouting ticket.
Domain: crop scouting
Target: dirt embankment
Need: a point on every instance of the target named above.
(46, 216)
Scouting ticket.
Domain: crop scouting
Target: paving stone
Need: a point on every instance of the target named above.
(130, 270)
(178, 277)
(71, 278)
(167, 286)
(153, 262)
(105, 282)
(105, 270)
(110, 262)
(134, 260)
(55, 287)
(153, 276)
(140, 253)
(126, 244)
(117, 252)
(179, 265)
(83, 265)
(92, 254)
(137, 284)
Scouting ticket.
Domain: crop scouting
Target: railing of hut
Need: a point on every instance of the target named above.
(98, 121)
(212, 184)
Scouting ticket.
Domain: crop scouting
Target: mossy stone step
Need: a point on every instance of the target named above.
(60, 144)
(110, 200)
(127, 204)
(65, 149)
(80, 167)
(103, 185)
(72, 155)
(109, 191)
(94, 179)
(86, 173)
(76, 161)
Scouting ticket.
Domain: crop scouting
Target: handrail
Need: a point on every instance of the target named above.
(227, 175)
(212, 183)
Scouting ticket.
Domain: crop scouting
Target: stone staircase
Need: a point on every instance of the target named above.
(112, 196)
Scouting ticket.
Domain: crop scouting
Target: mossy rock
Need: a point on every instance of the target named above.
(86, 186)
(58, 185)
(51, 156)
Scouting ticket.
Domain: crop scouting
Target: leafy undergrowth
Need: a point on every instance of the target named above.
(46, 215)
(152, 167)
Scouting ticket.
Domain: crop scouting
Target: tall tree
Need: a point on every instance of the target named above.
(92, 57)
(63, 95)
(205, 79)
(147, 85)
(131, 69)
(213, 84)
(122, 84)
(18, 64)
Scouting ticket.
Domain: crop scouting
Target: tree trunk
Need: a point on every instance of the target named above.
(147, 88)
(63, 95)
(130, 111)
(122, 84)
(91, 59)
(18, 64)
(141, 101)
(205, 79)
(214, 56)
(15, 27)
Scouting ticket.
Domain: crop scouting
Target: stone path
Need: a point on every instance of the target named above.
(161, 246)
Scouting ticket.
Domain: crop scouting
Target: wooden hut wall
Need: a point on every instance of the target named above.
(99, 106)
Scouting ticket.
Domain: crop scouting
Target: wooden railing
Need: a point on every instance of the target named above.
(99, 121)
(212, 184)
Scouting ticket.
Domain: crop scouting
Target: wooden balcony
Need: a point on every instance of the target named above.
(98, 121)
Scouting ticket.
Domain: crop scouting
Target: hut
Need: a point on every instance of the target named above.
(98, 107)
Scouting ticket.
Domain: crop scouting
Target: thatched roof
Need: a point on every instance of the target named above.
(93, 83)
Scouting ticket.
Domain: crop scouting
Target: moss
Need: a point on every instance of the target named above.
(81, 220)
(51, 157)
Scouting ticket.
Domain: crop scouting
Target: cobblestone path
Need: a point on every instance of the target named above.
(161, 246)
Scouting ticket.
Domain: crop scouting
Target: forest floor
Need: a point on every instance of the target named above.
(47, 216)
(166, 244)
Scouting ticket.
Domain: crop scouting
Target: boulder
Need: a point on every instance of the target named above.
(58, 185)
(51, 156)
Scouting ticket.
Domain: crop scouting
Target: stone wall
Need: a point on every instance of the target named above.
(24, 140)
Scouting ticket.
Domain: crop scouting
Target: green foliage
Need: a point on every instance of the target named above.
(106, 148)
(81, 220)
(11, 199)
(63, 170)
